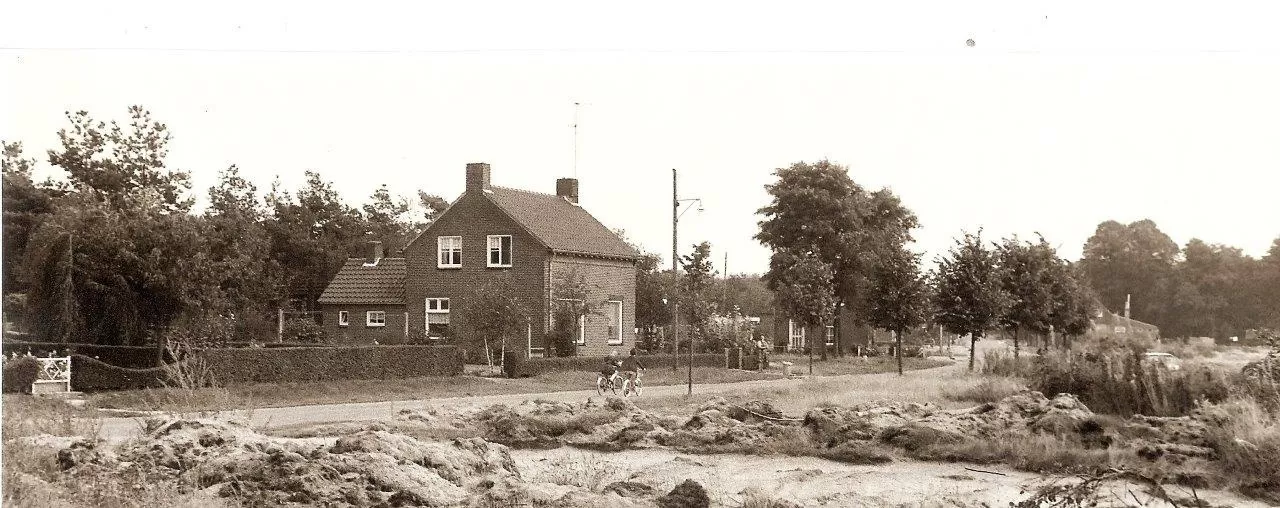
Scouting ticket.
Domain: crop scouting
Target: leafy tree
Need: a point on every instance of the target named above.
(1072, 303)
(387, 219)
(572, 306)
(492, 313)
(432, 205)
(805, 290)
(1135, 259)
(240, 248)
(312, 235)
(116, 275)
(817, 210)
(652, 287)
(968, 295)
(122, 165)
(694, 283)
(25, 207)
(897, 295)
(1027, 276)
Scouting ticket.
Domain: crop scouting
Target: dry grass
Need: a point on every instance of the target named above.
(1249, 449)
(579, 470)
(991, 389)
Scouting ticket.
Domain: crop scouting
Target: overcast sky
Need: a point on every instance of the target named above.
(1054, 121)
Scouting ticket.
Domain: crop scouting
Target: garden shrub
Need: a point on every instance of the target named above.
(1121, 383)
(19, 373)
(136, 357)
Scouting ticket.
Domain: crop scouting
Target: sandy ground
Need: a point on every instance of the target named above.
(815, 482)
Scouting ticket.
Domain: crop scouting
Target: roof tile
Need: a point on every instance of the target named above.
(359, 284)
(561, 225)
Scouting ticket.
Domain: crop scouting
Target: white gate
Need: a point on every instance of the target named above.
(54, 376)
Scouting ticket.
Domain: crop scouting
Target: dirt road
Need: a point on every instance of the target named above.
(115, 430)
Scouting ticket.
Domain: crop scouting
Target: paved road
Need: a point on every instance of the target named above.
(119, 429)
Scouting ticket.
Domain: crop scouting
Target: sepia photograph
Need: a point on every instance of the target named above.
(575, 254)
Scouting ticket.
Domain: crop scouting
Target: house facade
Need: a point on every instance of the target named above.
(528, 245)
(364, 303)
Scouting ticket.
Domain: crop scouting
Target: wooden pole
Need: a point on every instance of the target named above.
(279, 325)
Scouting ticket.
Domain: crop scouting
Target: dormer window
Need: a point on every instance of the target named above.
(449, 252)
(499, 251)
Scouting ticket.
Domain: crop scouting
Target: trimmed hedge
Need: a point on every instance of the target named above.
(300, 364)
(135, 357)
(281, 365)
(19, 373)
(535, 366)
(90, 375)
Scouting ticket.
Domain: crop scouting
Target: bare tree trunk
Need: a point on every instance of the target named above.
(488, 358)
(1015, 344)
(973, 344)
(899, 350)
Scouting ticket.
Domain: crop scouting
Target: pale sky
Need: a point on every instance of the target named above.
(1058, 118)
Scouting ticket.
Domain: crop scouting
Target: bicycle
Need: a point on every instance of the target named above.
(610, 383)
(631, 384)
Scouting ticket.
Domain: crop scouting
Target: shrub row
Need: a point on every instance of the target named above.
(518, 366)
(91, 375)
(280, 365)
(300, 364)
(135, 357)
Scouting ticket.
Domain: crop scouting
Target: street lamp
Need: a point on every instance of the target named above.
(675, 224)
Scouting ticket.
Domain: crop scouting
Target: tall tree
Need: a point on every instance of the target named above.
(25, 207)
(694, 283)
(238, 244)
(1135, 259)
(805, 290)
(119, 164)
(1073, 302)
(968, 296)
(817, 210)
(897, 295)
(1027, 276)
(312, 235)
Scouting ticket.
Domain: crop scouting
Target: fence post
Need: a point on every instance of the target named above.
(279, 325)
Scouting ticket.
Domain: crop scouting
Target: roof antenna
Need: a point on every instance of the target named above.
(576, 107)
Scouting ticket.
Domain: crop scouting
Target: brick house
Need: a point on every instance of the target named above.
(364, 303)
(526, 241)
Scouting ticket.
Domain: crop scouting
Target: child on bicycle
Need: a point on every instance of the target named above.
(631, 368)
(611, 366)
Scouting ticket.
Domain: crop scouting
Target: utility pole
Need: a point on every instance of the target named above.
(675, 224)
(576, 107)
(68, 297)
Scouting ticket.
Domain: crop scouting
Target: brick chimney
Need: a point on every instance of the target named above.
(375, 253)
(477, 176)
(567, 188)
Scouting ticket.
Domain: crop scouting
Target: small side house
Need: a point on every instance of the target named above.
(364, 303)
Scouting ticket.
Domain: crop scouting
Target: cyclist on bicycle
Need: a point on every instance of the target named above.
(631, 368)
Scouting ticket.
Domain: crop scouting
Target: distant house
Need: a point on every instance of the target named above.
(528, 240)
(1109, 324)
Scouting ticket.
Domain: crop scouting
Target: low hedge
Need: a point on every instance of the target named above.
(535, 366)
(302, 364)
(19, 373)
(281, 365)
(90, 375)
(135, 357)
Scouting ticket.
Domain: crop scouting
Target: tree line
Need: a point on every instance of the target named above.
(114, 254)
(838, 246)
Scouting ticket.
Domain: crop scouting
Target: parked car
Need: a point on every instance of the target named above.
(1167, 359)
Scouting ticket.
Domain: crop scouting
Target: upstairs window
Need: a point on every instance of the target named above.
(449, 249)
(500, 251)
(795, 335)
(343, 318)
(375, 318)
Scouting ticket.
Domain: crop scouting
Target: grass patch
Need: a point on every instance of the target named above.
(1249, 450)
(1038, 454)
(991, 389)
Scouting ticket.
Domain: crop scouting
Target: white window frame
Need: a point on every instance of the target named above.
(368, 318)
(831, 335)
(618, 337)
(795, 340)
(428, 311)
(490, 247)
(344, 318)
(440, 252)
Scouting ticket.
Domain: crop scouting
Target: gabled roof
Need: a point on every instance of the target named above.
(560, 225)
(356, 283)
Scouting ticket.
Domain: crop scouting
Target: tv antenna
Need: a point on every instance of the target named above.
(576, 106)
